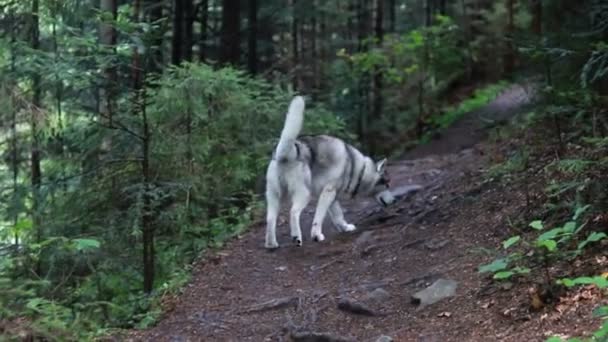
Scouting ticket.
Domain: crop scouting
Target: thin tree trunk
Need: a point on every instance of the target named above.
(107, 38)
(510, 51)
(294, 47)
(178, 36)
(202, 50)
(467, 39)
(188, 30)
(139, 109)
(230, 44)
(537, 15)
(392, 15)
(36, 171)
(428, 10)
(156, 14)
(14, 140)
(378, 76)
(252, 57)
(443, 7)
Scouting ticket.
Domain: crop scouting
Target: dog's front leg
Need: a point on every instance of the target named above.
(328, 195)
(337, 217)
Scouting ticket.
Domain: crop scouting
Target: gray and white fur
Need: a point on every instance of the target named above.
(322, 166)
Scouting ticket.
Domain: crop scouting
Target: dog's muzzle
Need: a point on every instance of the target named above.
(385, 198)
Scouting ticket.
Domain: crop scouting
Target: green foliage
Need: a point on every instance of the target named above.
(551, 244)
(220, 132)
(480, 98)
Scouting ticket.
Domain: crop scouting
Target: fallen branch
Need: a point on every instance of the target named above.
(273, 304)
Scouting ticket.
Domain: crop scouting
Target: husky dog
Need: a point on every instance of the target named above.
(322, 166)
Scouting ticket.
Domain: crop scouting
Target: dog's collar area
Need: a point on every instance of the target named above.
(356, 190)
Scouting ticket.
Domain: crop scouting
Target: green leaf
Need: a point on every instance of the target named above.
(503, 275)
(602, 332)
(511, 241)
(598, 281)
(579, 211)
(569, 227)
(549, 235)
(594, 237)
(538, 225)
(521, 270)
(496, 265)
(602, 311)
(85, 244)
(550, 245)
(554, 339)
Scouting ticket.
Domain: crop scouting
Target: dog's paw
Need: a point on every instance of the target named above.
(349, 227)
(318, 237)
(271, 244)
(297, 240)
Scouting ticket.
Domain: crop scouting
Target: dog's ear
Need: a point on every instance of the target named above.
(380, 165)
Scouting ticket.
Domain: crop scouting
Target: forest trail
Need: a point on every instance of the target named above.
(359, 286)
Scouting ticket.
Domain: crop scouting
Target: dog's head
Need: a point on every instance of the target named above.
(381, 185)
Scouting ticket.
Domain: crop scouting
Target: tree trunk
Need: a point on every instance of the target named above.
(230, 39)
(139, 109)
(252, 57)
(14, 136)
(188, 30)
(443, 7)
(537, 16)
(378, 76)
(156, 14)
(392, 15)
(202, 46)
(294, 41)
(467, 39)
(36, 171)
(107, 38)
(178, 35)
(428, 10)
(510, 51)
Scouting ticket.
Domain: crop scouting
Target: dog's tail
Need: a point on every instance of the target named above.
(293, 125)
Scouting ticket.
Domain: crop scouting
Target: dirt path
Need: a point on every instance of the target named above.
(245, 293)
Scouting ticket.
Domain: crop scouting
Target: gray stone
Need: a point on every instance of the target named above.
(406, 190)
(353, 306)
(384, 338)
(313, 336)
(435, 244)
(441, 289)
(379, 295)
(364, 239)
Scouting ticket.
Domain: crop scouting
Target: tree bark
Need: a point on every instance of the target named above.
(537, 15)
(392, 15)
(252, 57)
(230, 39)
(294, 41)
(510, 50)
(156, 14)
(139, 109)
(202, 46)
(443, 7)
(378, 76)
(178, 35)
(107, 38)
(36, 171)
(188, 30)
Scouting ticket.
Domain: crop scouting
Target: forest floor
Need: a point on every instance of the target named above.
(358, 286)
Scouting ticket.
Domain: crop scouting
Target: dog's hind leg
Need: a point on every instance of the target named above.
(273, 197)
(328, 195)
(299, 199)
(337, 217)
